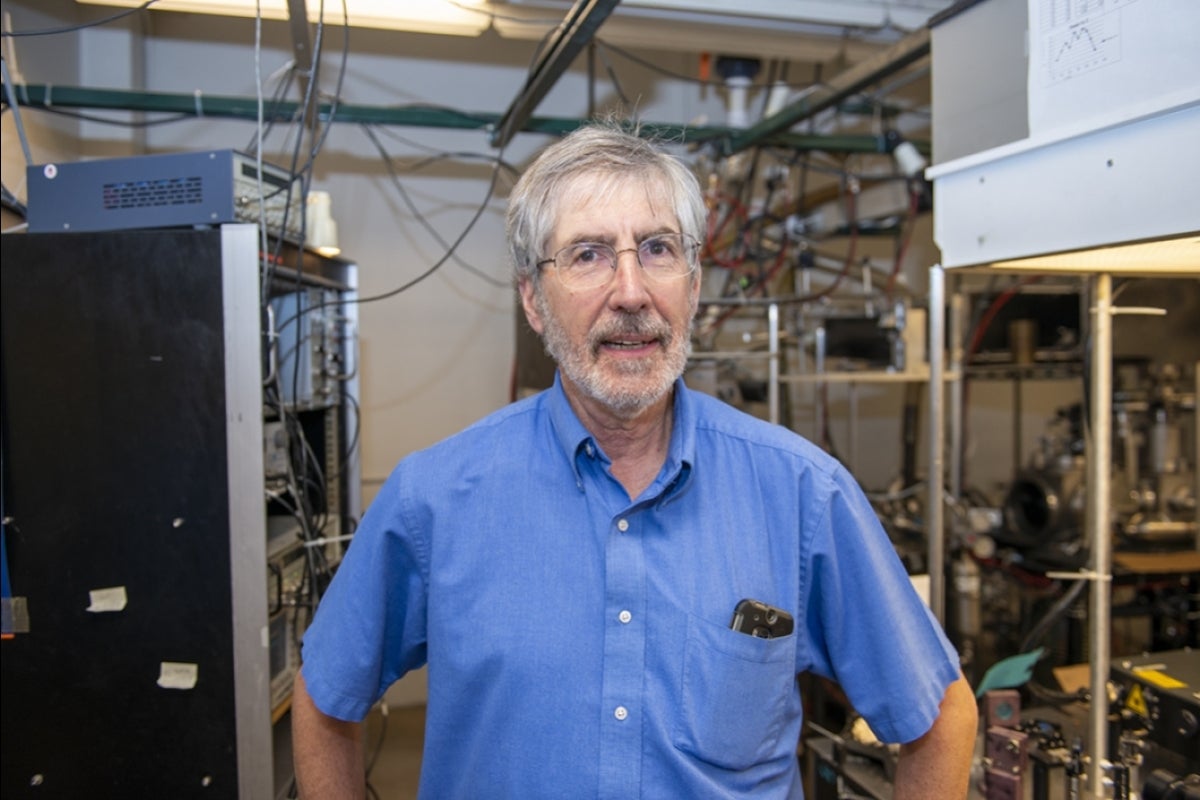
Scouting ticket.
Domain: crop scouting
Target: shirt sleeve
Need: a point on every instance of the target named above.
(869, 629)
(369, 628)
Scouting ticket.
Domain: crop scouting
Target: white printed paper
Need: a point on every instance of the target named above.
(106, 600)
(178, 675)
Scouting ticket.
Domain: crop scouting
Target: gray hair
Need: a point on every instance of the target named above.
(598, 149)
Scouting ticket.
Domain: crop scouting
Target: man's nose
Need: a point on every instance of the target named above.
(629, 288)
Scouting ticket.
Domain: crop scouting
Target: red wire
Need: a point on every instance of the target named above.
(911, 223)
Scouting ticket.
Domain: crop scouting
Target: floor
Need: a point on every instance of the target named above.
(395, 759)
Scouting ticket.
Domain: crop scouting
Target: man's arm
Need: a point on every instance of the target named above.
(938, 765)
(328, 752)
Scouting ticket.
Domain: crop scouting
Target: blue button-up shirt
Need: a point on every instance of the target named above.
(578, 642)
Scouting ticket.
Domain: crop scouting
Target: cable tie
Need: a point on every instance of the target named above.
(196, 93)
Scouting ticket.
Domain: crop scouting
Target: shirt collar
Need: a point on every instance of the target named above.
(681, 452)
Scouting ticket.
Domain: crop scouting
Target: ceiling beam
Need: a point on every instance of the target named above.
(576, 30)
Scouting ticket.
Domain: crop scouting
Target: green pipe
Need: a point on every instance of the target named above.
(246, 108)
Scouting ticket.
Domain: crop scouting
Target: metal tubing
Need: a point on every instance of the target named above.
(773, 363)
(933, 512)
(820, 389)
(852, 429)
(1017, 431)
(1099, 529)
(958, 327)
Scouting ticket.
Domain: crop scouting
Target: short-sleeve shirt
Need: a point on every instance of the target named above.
(578, 642)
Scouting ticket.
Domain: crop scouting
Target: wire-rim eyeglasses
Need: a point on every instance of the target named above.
(663, 257)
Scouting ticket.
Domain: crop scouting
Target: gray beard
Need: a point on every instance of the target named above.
(578, 363)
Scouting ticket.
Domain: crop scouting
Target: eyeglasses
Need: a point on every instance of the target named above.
(589, 265)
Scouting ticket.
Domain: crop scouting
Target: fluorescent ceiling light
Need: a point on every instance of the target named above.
(1167, 256)
(419, 16)
(855, 13)
(692, 32)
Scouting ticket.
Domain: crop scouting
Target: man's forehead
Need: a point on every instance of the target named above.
(605, 204)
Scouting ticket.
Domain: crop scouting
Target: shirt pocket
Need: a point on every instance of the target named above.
(734, 695)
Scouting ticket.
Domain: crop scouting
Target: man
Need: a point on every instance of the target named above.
(568, 567)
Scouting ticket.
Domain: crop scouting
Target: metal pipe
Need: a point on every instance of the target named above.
(820, 389)
(246, 108)
(958, 327)
(773, 363)
(1017, 431)
(933, 511)
(1098, 527)
(852, 431)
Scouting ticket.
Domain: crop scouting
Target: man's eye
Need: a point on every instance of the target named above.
(659, 247)
(586, 256)
(656, 247)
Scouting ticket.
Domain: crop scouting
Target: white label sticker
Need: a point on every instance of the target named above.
(111, 599)
(177, 675)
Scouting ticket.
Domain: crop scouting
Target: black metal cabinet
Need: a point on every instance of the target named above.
(137, 544)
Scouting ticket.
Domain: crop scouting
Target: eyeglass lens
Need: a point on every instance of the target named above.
(660, 256)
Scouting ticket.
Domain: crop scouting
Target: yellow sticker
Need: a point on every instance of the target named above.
(1160, 679)
(1136, 703)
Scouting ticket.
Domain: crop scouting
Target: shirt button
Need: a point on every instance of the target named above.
(622, 525)
(621, 712)
(625, 616)
(591, 451)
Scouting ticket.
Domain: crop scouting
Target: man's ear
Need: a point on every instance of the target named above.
(528, 302)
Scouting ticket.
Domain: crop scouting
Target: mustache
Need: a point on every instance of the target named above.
(623, 324)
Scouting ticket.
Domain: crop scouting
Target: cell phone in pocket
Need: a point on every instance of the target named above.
(761, 620)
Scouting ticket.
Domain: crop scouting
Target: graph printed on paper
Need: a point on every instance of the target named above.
(1079, 36)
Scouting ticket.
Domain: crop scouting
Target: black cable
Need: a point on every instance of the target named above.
(270, 109)
(307, 110)
(612, 76)
(412, 207)
(1051, 616)
(319, 142)
(1056, 697)
(450, 252)
(348, 450)
(121, 123)
(12, 202)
